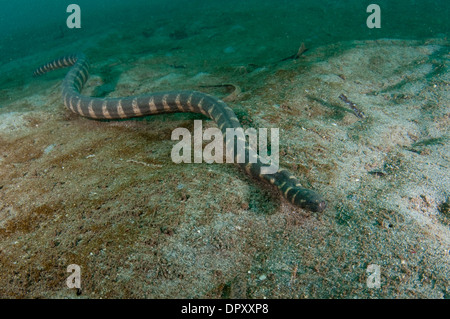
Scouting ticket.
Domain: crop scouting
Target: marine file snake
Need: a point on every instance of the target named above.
(169, 102)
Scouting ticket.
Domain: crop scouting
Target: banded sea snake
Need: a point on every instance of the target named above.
(169, 102)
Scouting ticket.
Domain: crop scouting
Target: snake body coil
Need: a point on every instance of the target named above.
(169, 102)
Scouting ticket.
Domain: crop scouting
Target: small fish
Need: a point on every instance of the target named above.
(300, 51)
(353, 106)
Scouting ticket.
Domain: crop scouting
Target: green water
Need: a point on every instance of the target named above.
(30, 26)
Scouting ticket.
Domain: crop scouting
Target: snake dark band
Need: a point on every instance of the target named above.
(169, 102)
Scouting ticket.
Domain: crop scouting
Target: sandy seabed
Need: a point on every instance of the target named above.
(106, 195)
